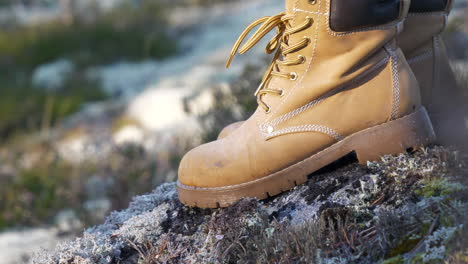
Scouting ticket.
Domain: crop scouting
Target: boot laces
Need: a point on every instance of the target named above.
(279, 45)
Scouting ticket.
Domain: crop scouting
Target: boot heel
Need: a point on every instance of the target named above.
(395, 137)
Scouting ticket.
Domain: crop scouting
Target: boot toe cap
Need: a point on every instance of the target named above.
(208, 166)
(189, 169)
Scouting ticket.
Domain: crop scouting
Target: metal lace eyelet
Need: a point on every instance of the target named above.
(312, 2)
(302, 58)
(270, 129)
(293, 76)
(268, 110)
(282, 93)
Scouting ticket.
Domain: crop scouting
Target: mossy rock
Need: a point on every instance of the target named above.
(437, 187)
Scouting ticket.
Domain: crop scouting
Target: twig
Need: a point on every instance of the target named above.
(421, 243)
(162, 248)
(370, 234)
(178, 252)
(380, 199)
(240, 244)
(347, 239)
(372, 228)
(137, 248)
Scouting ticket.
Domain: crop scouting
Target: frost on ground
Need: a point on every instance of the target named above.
(410, 207)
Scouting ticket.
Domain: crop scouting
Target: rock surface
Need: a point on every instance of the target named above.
(401, 208)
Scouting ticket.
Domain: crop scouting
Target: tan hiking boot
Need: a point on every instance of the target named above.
(426, 54)
(425, 51)
(338, 84)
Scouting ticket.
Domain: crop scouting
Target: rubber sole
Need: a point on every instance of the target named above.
(394, 137)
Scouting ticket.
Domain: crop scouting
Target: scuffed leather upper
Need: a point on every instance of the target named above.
(348, 82)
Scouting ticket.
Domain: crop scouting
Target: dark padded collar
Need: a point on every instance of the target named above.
(423, 6)
(351, 15)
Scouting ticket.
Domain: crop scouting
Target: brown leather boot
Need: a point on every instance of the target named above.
(426, 53)
(338, 84)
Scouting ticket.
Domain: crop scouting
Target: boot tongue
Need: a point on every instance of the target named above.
(290, 4)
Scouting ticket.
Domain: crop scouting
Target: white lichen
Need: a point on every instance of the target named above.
(435, 243)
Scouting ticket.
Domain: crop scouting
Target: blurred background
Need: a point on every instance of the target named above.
(99, 100)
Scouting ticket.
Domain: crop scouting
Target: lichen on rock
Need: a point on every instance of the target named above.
(345, 213)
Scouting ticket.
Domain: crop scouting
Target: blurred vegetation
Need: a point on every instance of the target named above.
(34, 195)
(5, 3)
(237, 105)
(24, 108)
(33, 192)
(129, 32)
